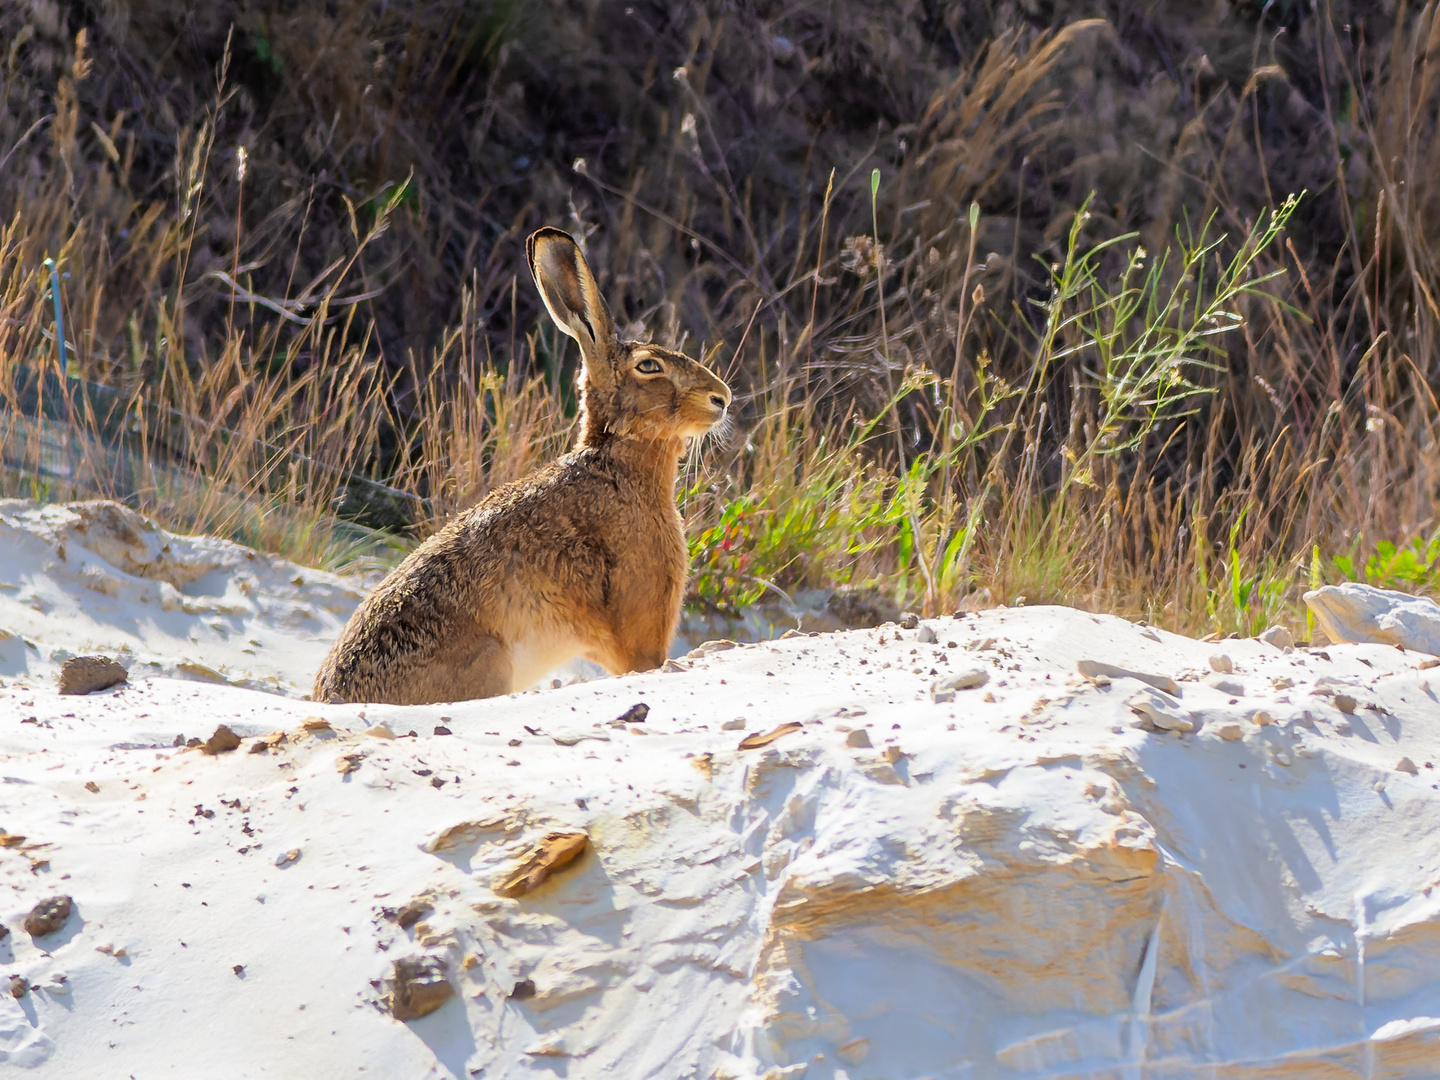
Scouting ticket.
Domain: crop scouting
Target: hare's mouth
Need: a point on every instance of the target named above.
(703, 419)
(719, 413)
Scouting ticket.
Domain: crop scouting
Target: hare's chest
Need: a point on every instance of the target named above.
(665, 541)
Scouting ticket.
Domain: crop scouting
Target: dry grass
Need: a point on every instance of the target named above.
(934, 400)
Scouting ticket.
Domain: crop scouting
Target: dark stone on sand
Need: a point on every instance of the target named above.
(86, 674)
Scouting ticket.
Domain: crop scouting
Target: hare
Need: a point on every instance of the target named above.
(585, 557)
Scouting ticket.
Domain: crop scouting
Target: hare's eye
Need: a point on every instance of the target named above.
(649, 367)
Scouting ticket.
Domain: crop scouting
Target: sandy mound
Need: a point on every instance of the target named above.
(1029, 880)
(97, 577)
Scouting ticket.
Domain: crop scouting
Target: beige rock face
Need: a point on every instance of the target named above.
(1363, 613)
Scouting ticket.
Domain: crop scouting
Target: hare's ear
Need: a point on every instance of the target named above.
(570, 293)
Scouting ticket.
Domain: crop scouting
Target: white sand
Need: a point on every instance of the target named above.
(1026, 890)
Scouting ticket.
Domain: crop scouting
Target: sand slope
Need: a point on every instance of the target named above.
(1029, 886)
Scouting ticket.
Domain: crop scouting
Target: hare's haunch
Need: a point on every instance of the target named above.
(584, 558)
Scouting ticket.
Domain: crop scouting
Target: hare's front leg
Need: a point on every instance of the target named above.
(639, 638)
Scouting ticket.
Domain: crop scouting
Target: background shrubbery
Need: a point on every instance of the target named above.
(1063, 351)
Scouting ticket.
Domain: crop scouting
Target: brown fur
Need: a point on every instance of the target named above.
(586, 557)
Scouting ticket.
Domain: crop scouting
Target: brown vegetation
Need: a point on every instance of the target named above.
(930, 399)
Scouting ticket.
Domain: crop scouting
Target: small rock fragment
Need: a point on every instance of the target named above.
(892, 754)
(222, 742)
(635, 714)
(420, 986)
(18, 986)
(859, 739)
(91, 786)
(412, 913)
(1345, 703)
(316, 723)
(719, 645)
(1261, 718)
(380, 731)
(754, 742)
(1230, 731)
(927, 635)
(1405, 765)
(945, 688)
(1160, 710)
(48, 915)
(441, 729)
(1278, 636)
(86, 674)
(1282, 683)
(909, 620)
(346, 764)
(738, 724)
(1093, 669)
(555, 851)
(1221, 664)
(288, 857)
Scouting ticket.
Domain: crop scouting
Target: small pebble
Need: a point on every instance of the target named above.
(1278, 636)
(48, 915)
(943, 689)
(86, 674)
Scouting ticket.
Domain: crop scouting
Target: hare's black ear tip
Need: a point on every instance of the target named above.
(547, 232)
(544, 234)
